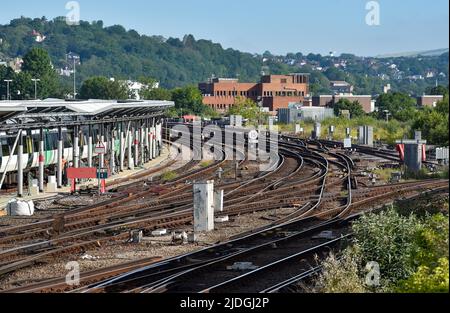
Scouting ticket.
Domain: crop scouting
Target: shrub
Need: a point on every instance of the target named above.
(386, 238)
(427, 280)
(168, 176)
(340, 275)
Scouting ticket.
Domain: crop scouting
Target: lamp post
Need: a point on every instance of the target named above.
(387, 115)
(35, 80)
(8, 95)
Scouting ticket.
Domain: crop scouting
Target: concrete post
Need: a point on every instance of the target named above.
(130, 150)
(122, 148)
(90, 144)
(147, 142)
(218, 201)
(317, 131)
(41, 161)
(20, 167)
(204, 206)
(60, 156)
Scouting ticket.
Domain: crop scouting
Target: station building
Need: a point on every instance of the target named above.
(41, 137)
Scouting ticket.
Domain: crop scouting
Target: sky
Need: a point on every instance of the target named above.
(280, 26)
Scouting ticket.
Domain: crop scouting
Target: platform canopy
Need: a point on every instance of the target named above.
(56, 110)
(9, 111)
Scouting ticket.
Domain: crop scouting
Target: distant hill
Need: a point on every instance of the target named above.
(125, 54)
(428, 53)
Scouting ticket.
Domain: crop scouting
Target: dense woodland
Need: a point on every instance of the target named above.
(116, 52)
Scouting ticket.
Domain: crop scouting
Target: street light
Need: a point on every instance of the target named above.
(387, 115)
(35, 87)
(8, 81)
(76, 61)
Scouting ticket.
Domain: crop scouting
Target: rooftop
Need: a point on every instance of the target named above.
(32, 110)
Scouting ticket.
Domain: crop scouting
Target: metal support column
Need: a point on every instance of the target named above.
(150, 146)
(136, 144)
(41, 160)
(90, 144)
(20, 166)
(154, 138)
(147, 141)
(142, 142)
(60, 156)
(101, 157)
(130, 149)
(122, 147)
(76, 147)
(112, 162)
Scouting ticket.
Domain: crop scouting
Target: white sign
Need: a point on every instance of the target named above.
(100, 150)
(253, 135)
(347, 143)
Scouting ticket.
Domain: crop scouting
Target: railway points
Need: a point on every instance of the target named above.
(315, 187)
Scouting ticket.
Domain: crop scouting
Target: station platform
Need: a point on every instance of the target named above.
(158, 162)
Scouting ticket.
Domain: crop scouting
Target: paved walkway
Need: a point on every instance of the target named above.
(164, 158)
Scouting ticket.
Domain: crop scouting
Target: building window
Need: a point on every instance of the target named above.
(284, 81)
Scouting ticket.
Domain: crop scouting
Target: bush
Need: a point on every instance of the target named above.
(427, 280)
(386, 238)
(168, 176)
(340, 275)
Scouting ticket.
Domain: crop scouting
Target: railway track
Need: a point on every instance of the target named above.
(311, 177)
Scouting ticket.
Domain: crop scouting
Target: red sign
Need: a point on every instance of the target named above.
(82, 173)
(401, 151)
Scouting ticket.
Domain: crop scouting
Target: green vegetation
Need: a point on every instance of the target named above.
(206, 163)
(103, 88)
(387, 132)
(401, 106)
(116, 52)
(411, 250)
(36, 64)
(169, 175)
(248, 109)
(434, 123)
(354, 108)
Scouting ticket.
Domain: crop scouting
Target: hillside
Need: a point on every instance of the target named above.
(428, 53)
(116, 52)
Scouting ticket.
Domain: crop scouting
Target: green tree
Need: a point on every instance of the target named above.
(354, 107)
(156, 94)
(102, 88)
(400, 105)
(248, 109)
(433, 122)
(188, 100)
(37, 64)
(437, 91)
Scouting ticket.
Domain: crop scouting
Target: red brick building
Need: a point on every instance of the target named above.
(273, 92)
(330, 100)
(429, 101)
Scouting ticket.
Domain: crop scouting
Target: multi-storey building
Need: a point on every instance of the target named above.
(272, 92)
(430, 101)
